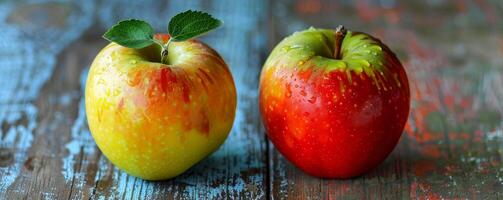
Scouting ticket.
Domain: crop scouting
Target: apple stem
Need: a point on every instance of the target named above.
(340, 33)
(164, 52)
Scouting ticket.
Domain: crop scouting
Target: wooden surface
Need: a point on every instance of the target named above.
(452, 146)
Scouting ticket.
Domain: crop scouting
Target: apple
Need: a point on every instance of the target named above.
(156, 120)
(333, 102)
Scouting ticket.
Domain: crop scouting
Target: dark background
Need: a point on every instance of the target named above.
(452, 146)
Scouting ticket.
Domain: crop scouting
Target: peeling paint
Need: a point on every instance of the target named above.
(23, 75)
(81, 139)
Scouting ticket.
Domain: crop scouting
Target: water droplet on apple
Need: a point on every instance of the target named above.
(101, 81)
(312, 99)
(100, 70)
(366, 63)
(116, 92)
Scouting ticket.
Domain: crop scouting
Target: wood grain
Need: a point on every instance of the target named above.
(452, 146)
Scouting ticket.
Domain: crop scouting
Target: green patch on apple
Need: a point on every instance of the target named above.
(354, 52)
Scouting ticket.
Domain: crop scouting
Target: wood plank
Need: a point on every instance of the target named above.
(37, 114)
(452, 145)
(49, 152)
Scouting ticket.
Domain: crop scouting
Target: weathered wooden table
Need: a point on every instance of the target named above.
(452, 146)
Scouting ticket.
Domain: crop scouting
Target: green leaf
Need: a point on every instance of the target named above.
(190, 24)
(131, 33)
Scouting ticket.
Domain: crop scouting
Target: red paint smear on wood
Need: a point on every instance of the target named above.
(461, 6)
(418, 186)
(368, 12)
(432, 151)
(308, 6)
(365, 11)
(424, 167)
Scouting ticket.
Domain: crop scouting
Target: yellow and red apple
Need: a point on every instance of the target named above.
(156, 120)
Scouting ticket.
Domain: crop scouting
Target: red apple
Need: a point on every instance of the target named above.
(334, 103)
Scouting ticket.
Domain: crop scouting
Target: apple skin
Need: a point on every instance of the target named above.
(155, 121)
(333, 118)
